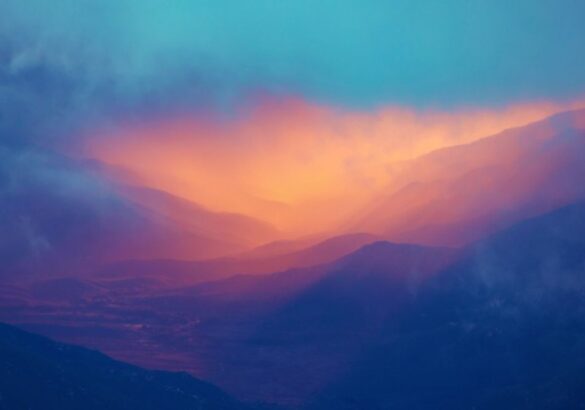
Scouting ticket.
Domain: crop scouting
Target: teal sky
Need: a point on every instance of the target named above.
(348, 52)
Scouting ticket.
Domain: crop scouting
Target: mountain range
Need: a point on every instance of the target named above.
(461, 287)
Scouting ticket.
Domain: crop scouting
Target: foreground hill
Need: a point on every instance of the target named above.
(37, 373)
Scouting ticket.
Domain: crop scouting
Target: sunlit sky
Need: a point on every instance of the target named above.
(298, 113)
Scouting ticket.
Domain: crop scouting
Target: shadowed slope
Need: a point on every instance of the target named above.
(503, 328)
(320, 315)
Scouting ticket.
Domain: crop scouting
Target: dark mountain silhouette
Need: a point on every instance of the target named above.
(37, 373)
(502, 328)
(497, 324)
(360, 289)
(265, 329)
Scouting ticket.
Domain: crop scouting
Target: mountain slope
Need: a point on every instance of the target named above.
(233, 228)
(359, 290)
(502, 328)
(263, 330)
(252, 263)
(37, 373)
(58, 216)
(457, 195)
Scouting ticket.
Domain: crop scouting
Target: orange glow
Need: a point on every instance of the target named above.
(303, 168)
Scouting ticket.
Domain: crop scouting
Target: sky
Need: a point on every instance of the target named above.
(268, 107)
(342, 52)
(291, 162)
(68, 62)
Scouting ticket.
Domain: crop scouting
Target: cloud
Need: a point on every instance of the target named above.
(67, 65)
(48, 204)
(348, 52)
(290, 161)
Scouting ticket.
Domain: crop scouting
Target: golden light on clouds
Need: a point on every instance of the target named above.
(302, 167)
